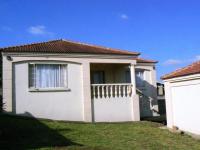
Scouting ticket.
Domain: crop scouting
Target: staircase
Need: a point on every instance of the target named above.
(141, 94)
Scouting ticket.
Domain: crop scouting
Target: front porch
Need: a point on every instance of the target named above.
(113, 93)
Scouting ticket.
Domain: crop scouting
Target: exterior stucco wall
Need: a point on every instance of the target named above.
(113, 109)
(7, 84)
(116, 109)
(150, 80)
(61, 105)
(149, 89)
(182, 103)
(80, 96)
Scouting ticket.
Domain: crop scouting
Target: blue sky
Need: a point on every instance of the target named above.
(167, 31)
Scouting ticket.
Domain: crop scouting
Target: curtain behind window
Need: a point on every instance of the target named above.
(48, 75)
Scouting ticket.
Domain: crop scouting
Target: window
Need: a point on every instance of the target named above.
(47, 76)
(139, 78)
(98, 77)
(160, 89)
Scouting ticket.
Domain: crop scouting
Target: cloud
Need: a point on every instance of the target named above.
(197, 57)
(39, 30)
(178, 61)
(6, 28)
(124, 16)
(172, 62)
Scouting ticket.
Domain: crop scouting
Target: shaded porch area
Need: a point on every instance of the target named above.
(110, 80)
(113, 92)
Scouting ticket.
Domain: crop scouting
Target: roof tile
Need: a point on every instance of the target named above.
(189, 70)
(142, 60)
(64, 46)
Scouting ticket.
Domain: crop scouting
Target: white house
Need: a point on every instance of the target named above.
(182, 93)
(65, 80)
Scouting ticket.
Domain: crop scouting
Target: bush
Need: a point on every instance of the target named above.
(1, 104)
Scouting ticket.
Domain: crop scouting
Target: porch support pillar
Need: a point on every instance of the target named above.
(135, 96)
(87, 103)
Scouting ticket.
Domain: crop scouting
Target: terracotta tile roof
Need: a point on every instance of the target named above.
(65, 46)
(189, 70)
(141, 60)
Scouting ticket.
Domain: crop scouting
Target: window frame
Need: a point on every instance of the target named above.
(34, 89)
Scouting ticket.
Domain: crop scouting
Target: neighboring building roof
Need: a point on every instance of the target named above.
(65, 46)
(189, 70)
(141, 60)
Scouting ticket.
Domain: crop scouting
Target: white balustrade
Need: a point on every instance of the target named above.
(111, 90)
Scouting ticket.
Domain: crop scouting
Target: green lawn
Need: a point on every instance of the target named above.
(24, 133)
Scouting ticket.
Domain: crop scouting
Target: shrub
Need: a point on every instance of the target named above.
(1, 104)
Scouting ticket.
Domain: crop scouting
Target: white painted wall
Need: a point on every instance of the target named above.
(73, 105)
(113, 109)
(65, 105)
(115, 73)
(183, 103)
(149, 89)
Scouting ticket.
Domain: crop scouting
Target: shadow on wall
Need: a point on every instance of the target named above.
(148, 108)
(29, 133)
(146, 111)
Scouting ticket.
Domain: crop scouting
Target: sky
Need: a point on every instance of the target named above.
(167, 31)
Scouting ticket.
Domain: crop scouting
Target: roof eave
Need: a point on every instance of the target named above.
(178, 76)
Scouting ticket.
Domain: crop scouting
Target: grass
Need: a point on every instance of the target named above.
(25, 133)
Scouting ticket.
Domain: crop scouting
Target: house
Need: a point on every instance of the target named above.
(182, 93)
(66, 80)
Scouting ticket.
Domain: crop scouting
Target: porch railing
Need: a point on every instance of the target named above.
(111, 90)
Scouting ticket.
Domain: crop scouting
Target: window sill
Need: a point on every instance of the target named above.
(49, 90)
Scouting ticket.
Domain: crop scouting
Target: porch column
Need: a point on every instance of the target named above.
(87, 110)
(135, 96)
